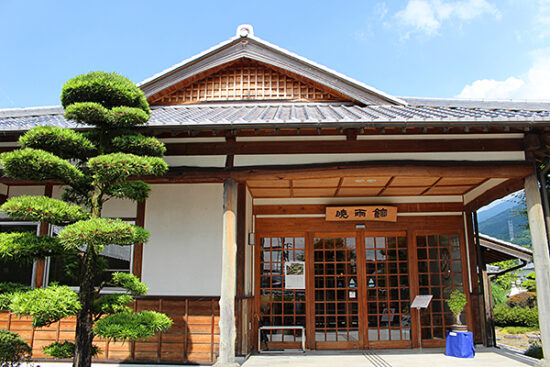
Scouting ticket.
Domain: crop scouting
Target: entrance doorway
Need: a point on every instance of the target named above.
(357, 292)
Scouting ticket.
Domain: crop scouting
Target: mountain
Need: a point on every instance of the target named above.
(505, 223)
(483, 215)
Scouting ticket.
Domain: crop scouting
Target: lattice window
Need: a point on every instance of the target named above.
(439, 272)
(246, 80)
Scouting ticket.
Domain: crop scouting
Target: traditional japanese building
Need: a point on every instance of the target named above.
(307, 199)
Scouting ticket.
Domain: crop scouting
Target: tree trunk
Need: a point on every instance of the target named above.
(84, 322)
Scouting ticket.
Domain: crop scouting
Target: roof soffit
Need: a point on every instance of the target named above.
(258, 50)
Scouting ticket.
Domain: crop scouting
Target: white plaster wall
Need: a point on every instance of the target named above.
(184, 253)
(114, 208)
(26, 190)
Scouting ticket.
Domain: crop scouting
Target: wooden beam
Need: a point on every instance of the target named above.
(40, 266)
(363, 168)
(350, 146)
(241, 238)
(320, 209)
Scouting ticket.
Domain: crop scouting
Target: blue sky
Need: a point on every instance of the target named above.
(430, 48)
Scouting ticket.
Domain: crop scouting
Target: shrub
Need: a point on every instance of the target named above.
(534, 350)
(516, 316)
(457, 302)
(13, 349)
(523, 300)
(64, 350)
(518, 329)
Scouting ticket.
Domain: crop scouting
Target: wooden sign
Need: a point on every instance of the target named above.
(361, 213)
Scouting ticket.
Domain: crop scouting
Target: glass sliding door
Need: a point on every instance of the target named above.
(387, 289)
(280, 306)
(336, 292)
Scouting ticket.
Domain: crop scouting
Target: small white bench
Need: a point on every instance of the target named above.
(281, 328)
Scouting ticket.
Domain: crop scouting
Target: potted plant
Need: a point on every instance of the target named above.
(457, 302)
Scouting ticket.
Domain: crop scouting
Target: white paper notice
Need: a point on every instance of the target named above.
(421, 301)
(295, 275)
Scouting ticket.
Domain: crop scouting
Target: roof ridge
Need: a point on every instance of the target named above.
(510, 104)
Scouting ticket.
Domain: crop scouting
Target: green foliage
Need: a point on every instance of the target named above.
(518, 329)
(46, 305)
(64, 143)
(130, 282)
(43, 209)
(98, 232)
(8, 290)
(535, 350)
(524, 300)
(125, 117)
(38, 165)
(498, 293)
(113, 303)
(134, 190)
(139, 145)
(92, 113)
(26, 246)
(530, 284)
(132, 326)
(516, 316)
(64, 350)
(108, 89)
(457, 302)
(506, 280)
(117, 167)
(13, 349)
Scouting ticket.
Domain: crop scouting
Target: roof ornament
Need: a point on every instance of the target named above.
(245, 30)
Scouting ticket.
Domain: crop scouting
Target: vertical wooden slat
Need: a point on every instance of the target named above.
(133, 343)
(159, 347)
(186, 330)
(414, 286)
(138, 248)
(212, 329)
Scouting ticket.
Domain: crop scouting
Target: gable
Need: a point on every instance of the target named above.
(308, 80)
(245, 80)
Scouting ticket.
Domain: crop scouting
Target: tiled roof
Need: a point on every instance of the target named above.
(258, 114)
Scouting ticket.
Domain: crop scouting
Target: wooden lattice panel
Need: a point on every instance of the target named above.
(246, 80)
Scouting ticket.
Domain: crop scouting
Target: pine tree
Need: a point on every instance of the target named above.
(95, 165)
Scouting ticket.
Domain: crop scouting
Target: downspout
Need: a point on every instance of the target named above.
(502, 272)
(480, 268)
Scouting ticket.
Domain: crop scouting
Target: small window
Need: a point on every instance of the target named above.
(13, 271)
(118, 258)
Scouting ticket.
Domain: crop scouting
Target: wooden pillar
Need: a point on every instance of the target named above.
(229, 277)
(541, 257)
(40, 265)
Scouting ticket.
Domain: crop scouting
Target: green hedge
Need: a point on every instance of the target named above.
(516, 316)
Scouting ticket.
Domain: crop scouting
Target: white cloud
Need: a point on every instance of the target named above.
(534, 84)
(427, 16)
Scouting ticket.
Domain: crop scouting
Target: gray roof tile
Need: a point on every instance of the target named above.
(285, 112)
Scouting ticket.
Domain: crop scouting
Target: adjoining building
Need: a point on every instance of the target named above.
(343, 203)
